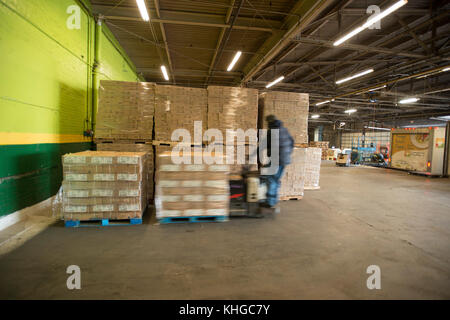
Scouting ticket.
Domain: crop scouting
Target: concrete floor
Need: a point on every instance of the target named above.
(316, 248)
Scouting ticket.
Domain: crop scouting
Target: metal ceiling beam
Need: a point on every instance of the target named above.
(219, 40)
(405, 11)
(308, 10)
(423, 22)
(413, 34)
(194, 23)
(357, 47)
(166, 46)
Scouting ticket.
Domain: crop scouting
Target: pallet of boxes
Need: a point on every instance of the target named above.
(104, 188)
(292, 109)
(125, 121)
(189, 190)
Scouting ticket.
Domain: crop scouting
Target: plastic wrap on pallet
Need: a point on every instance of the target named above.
(232, 108)
(293, 180)
(312, 171)
(136, 147)
(178, 108)
(125, 110)
(104, 185)
(190, 189)
(290, 107)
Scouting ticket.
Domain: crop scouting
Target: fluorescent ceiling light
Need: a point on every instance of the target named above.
(164, 71)
(378, 88)
(378, 128)
(355, 76)
(350, 111)
(409, 100)
(315, 116)
(446, 69)
(323, 102)
(143, 9)
(371, 21)
(275, 81)
(235, 59)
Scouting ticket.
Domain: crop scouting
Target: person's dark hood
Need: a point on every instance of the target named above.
(275, 124)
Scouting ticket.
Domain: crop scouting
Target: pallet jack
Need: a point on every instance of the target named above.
(247, 190)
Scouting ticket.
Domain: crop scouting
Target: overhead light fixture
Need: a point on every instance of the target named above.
(377, 88)
(164, 72)
(355, 76)
(446, 69)
(235, 59)
(323, 102)
(371, 21)
(377, 128)
(275, 82)
(408, 100)
(315, 116)
(143, 9)
(350, 111)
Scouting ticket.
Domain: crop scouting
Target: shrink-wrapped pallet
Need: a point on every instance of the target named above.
(190, 190)
(293, 180)
(232, 108)
(312, 171)
(178, 108)
(125, 111)
(104, 185)
(291, 108)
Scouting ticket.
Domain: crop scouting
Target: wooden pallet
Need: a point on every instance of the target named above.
(284, 198)
(101, 223)
(300, 145)
(174, 143)
(193, 219)
(122, 141)
(312, 188)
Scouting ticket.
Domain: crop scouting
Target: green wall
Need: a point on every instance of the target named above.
(47, 93)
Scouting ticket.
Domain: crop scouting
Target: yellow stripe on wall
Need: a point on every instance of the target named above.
(13, 138)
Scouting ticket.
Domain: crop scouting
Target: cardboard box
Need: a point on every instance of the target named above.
(232, 108)
(125, 110)
(178, 108)
(291, 108)
(136, 147)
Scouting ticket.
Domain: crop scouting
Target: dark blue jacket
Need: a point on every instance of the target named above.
(285, 142)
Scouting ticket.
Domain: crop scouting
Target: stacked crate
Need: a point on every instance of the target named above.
(178, 108)
(233, 109)
(293, 180)
(194, 192)
(312, 170)
(125, 121)
(291, 108)
(323, 145)
(104, 185)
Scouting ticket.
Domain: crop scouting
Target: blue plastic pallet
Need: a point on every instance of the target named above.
(193, 219)
(101, 223)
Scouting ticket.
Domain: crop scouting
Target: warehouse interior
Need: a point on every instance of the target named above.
(92, 87)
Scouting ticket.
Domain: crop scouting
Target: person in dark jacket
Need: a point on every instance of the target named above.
(285, 146)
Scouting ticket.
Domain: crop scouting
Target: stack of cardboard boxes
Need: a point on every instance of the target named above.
(125, 121)
(323, 145)
(293, 180)
(104, 185)
(191, 190)
(291, 108)
(312, 170)
(178, 108)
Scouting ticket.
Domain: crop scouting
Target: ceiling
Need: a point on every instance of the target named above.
(197, 39)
